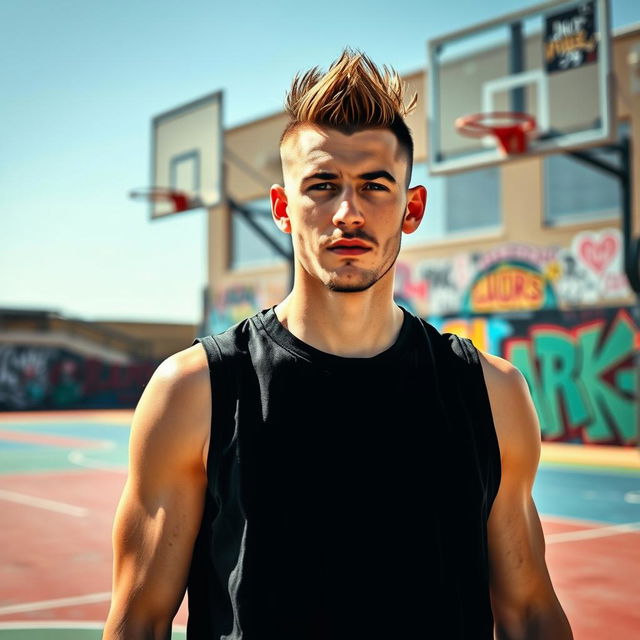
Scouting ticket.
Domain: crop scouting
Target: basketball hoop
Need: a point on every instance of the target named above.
(180, 200)
(511, 137)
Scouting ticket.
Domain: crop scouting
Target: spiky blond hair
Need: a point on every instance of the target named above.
(354, 94)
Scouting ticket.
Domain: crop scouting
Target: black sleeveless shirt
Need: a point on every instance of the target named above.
(347, 498)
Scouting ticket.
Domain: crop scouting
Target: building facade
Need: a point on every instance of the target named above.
(526, 258)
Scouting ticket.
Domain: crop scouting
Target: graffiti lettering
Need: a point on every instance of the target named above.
(508, 288)
(582, 380)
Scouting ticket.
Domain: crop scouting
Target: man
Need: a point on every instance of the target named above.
(333, 467)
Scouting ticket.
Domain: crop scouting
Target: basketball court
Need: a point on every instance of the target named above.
(61, 480)
(62, 474)
(532, 83)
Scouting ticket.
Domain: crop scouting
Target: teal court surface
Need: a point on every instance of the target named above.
(61, 475)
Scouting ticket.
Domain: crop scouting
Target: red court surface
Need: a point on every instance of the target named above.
(61, 477)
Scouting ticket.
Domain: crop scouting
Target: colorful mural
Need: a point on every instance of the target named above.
(511, 286)
(35, 377)
(582, 376)
(510, 277)
(238, 302)
(516, 277)
(543, 308)
(579, 365)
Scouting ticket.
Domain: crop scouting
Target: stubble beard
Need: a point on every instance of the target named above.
(365, 280)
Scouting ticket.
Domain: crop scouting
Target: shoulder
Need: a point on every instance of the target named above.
(183, 375)
(514, 415)
(174, 411)
(503, 379)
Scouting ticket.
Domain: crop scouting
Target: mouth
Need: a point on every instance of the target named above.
(349, 247)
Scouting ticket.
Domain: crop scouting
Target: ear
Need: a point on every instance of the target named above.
(416, 205)
(279, 208)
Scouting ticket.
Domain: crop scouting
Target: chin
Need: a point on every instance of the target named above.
(338, 288)
(340, 285)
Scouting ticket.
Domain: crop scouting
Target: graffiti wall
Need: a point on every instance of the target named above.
(518, 277)
(548, 310)
(236, 303)
(579, 366)
(49, 378)
(545, 309)
(510, 277)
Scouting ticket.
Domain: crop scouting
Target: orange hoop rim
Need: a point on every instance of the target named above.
(179, 199)
(473, 126)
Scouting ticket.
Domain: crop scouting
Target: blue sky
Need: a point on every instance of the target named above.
(80, 81)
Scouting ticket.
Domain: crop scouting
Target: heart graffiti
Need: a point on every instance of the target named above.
(598, 250)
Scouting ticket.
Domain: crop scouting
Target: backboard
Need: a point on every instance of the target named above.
(187, 155)
(551, 61)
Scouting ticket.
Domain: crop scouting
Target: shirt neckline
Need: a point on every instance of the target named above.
(287, 340)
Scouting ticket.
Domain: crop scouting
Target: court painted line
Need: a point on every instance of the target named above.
(90, 598)
(78, 458)
(65, 624)
(598, 532)
(51, 624)
(632, 497)
(43, 503)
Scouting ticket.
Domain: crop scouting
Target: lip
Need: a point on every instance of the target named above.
(349, 251)
(349, 246)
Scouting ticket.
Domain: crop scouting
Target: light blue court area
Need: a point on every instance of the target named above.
(45, 447)
(27, 631)
(599, 495)
(27, 447)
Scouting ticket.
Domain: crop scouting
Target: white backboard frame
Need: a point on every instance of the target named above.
(491, 156)
(187, 149)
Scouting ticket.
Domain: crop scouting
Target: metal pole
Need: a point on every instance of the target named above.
(517, 66)
(630, 243)
(248, 218)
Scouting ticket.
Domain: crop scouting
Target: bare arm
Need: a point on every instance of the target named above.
(159, 513)
(524, 603)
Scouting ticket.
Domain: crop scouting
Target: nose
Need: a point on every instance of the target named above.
(348, 214)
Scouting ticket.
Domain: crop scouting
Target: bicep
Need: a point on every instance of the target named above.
(160, 509)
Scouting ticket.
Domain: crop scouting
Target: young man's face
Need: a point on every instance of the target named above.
(345, 203)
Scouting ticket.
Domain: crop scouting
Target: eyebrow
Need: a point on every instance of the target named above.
(370, 175)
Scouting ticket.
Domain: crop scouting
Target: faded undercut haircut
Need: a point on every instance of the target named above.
(353, 95)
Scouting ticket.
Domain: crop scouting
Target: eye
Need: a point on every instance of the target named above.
(322, 186)
(375, 186)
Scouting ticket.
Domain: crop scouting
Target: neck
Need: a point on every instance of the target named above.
(352, 325)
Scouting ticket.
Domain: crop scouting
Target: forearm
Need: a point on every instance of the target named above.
(123, 625)
(143, 605)
(152, 556)
(540, 624)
